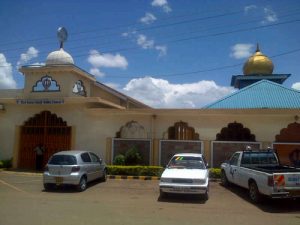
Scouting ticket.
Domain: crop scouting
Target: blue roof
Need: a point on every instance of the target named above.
(260, 95)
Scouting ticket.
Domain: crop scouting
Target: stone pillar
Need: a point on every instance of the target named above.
(108, 153)
(73, 137)
(155, 152)
(207, 150)
(16, 147)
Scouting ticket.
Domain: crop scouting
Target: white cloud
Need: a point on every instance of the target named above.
(163, 4)
(96, 72)
(160, 93)
(31, 53)
(148, 18)
(296, 86)
(107, 60)
(162, 49)
(144, 42)
(270, 15)
(249, 8)
(240, 51)
(6, 75)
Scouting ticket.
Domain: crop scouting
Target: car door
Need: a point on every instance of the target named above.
(86, 159)
(233, 162)
(97, 166)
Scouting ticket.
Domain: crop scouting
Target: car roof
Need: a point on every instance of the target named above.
(70, 152)
(188, 154)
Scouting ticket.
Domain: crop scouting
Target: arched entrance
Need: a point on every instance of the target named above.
(46, 129)
(179, 138)
(182, 131)
(287, 145)
(234, 137)
(235, 132)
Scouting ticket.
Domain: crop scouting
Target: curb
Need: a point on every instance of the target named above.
(120, 177)
(113, 177)
(116, 177)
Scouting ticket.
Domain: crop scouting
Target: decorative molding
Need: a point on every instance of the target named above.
(235, 132)
(79, 88)
(289, 134)
(45, 118)
(46, 84)
(132, 129)
(181, 131)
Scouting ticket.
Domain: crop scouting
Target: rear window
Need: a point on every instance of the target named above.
(259, 158)
(63, 160)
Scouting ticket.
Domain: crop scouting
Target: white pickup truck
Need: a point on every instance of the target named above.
(260, 172)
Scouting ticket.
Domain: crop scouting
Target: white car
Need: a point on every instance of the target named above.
(186, 173)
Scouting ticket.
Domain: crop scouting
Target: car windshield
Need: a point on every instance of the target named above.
(63, 160)
(186, 162)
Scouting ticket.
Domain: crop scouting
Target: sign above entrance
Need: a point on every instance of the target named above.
(39, 101)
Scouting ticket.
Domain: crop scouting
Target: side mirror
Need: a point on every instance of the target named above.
(207, 166)
(100, 161)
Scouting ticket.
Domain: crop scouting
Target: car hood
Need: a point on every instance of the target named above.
(185, 173)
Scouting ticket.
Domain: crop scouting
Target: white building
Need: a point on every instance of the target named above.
(63, 107)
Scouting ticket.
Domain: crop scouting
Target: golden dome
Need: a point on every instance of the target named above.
(258, 64)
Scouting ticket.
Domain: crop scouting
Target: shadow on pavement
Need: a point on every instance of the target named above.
(71, 188)
(267, 204)
(182, 198)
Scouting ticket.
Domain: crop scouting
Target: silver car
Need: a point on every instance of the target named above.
(74, 168)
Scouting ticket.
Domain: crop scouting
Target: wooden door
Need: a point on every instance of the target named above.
(46, 129)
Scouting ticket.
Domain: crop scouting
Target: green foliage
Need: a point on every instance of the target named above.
(119, 160)
(215, 173)
(133, 157)
(135, 170)
(6, 163)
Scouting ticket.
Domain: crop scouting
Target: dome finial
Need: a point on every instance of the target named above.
(62, 35)
(257, 47)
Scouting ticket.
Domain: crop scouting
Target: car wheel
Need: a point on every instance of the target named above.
(47, 187)
(254, 194)
(206, 196)
(82, 184)
(104, 177)
(162, 194)
(224, 180)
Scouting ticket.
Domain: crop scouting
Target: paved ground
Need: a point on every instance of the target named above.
(23, 202)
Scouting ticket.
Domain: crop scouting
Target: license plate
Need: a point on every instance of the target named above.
(59, 180)
(293, 180)
(178, 189)
(183, 189)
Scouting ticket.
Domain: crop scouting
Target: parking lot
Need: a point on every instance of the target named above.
(23, 201)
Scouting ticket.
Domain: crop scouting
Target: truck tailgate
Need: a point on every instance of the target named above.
(288, 181)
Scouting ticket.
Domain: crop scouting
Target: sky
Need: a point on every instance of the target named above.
(164, 53)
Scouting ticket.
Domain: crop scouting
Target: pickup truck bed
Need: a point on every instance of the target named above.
(273, 169)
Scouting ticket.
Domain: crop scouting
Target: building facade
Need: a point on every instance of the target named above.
(63, 107)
